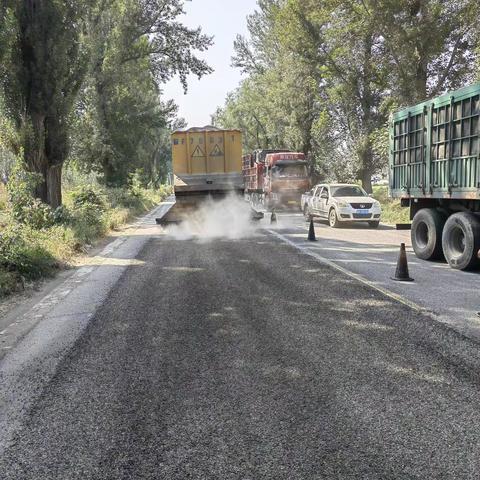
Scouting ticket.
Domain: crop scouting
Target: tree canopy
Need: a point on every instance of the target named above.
(323, 77)
(82, 81)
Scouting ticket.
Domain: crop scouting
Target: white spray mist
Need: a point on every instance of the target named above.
(229, 217)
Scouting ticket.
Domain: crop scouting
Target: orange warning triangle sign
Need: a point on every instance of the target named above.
(216, 152)
(198, 152)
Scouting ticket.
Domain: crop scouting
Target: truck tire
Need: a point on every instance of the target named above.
(333, 219)
(427, 227)
(461, 240)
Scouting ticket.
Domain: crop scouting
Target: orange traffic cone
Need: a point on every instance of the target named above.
(311, 232)
(401, 273)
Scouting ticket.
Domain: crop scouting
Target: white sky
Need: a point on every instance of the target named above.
(223, 19)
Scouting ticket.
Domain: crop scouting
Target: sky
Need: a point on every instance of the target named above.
(223, 19)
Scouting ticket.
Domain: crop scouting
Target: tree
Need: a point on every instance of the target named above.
(277, 105)
(136, 46)
(97, 64)
(429, 46)
(46, 65)
(329, 73)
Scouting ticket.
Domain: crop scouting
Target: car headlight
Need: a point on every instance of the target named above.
(342, 204)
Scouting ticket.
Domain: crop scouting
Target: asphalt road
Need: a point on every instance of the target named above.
(451, 295)
(244, 359)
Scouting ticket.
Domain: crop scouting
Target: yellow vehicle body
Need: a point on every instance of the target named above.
(207, 161)
(207, 150)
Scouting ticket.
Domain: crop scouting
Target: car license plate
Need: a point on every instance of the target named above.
(363, 212)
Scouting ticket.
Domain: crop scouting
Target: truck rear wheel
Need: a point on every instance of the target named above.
(427, 227)
(461, 240)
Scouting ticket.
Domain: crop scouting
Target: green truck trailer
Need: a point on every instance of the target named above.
(435, 171)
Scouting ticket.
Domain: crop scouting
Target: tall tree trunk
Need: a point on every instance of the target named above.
(38, 159)
(420, 81)
(366, 170)
(366, 178)
(110, 174)
(54, 185)
(35, 154)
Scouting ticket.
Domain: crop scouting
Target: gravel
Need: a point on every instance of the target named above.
(247, 360)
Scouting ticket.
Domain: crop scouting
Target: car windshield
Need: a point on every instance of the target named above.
(289, 171)
(348, 191)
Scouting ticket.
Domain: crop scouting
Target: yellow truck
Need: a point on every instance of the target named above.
(207, 161)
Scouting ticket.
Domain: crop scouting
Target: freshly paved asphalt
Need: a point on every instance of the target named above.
(452, 295)
(243, 359)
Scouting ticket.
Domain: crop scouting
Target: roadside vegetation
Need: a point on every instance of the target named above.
(392, 212)
(84, 127)
(37, 240)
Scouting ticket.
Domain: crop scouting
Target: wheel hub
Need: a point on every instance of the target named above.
(458, 243)
(421, 235)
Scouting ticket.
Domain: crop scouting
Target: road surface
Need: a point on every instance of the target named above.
(452, 296)
(236, 359)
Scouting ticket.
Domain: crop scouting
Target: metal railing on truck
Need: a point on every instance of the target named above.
(434, 147)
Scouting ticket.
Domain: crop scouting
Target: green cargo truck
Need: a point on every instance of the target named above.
(435, 171)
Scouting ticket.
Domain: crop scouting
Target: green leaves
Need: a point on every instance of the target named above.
(89, 74)
(122, 123)
(323, 77)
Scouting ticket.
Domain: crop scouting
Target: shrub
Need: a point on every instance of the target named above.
(62, 215)
(116, 217)
(36, 240)
(22, 206)
(19, 253)
(9, 282)
(38, 215)
(88, 224)
(59, 241)
(87, 216)
(121, 197)
(392, 211)
(87, 196)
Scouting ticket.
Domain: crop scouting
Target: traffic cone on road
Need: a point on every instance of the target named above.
(311, 232)
(273, 217)
(401, 273)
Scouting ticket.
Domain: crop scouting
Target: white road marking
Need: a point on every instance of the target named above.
(360, 278)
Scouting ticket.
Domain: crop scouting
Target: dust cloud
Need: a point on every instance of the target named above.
(229, 218)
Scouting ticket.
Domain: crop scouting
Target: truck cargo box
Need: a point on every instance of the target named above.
(207, 159)
(435, 171)
(434, 147)
(207, 162)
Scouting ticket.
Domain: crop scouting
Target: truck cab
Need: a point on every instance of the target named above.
(285, 178)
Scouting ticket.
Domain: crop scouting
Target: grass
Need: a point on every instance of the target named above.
(392, 212)
(29, 252)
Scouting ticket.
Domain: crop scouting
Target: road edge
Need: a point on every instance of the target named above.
(373, 285)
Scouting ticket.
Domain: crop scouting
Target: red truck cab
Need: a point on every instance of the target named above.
(285, 178)
(275, 178)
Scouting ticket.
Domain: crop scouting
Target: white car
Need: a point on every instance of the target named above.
(341, 203)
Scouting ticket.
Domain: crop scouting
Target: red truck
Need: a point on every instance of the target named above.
(275, 178)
